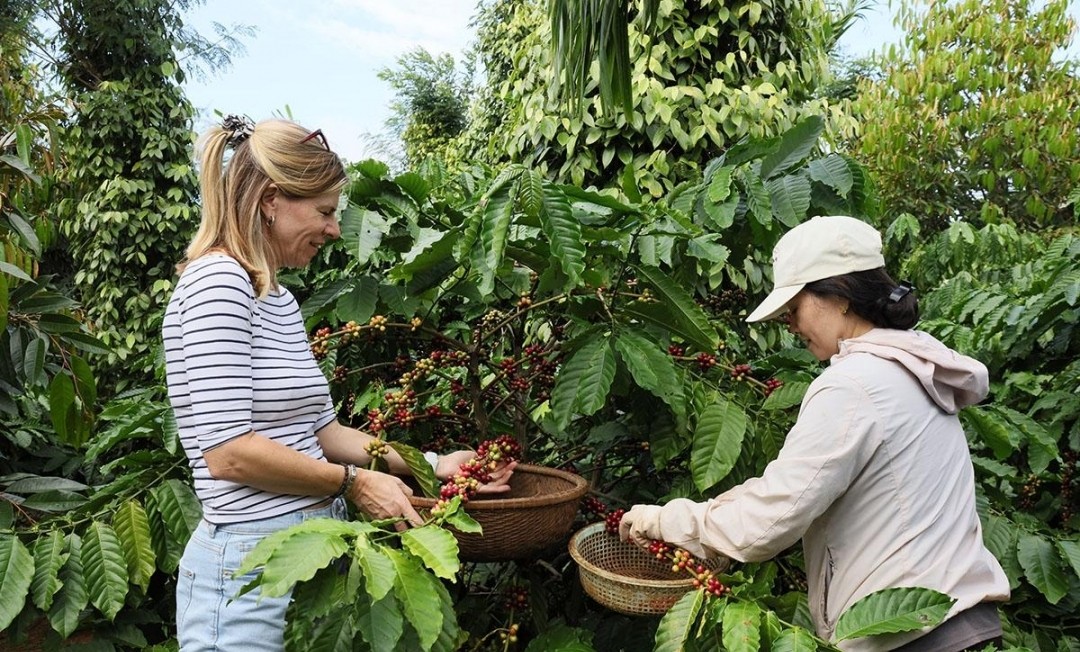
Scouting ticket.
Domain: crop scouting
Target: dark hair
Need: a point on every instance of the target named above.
(868, 294)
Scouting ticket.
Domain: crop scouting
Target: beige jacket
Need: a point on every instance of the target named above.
(875, 478)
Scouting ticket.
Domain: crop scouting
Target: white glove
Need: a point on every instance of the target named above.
(641, 525)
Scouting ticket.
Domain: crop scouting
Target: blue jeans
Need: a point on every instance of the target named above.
(208, 618)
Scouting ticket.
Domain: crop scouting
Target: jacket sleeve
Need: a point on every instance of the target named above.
(836, 434)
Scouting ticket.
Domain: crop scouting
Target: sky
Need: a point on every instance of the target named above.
(318, 60)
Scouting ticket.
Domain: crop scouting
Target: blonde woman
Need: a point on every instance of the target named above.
(255, 415)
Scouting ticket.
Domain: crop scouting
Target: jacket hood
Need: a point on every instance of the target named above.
(952, 380)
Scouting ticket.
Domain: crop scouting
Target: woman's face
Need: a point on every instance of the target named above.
(821, 323)
(301, 226)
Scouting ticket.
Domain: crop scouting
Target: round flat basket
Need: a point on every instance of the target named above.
(534, 516)
(625, 578)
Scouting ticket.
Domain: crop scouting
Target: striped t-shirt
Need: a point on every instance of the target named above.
(236, 364)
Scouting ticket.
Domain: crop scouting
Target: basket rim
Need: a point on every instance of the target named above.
(585, 564)
(578, 487)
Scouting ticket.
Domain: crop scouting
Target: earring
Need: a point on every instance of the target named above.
(844, 311)
(270, 222)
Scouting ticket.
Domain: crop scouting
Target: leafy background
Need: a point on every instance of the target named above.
(588, 266)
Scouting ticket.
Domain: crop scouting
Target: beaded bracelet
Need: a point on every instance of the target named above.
(347, 481)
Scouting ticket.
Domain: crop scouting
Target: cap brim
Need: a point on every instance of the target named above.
(774, 304)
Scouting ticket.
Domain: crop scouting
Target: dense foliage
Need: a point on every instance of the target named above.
(977, 116)
(131, 184)
(711, 74)
(601, 328)
(431, 103)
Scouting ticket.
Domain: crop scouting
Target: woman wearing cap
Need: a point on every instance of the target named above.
(875, 477)
(254, 411)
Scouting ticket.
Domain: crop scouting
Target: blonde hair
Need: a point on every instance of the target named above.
(232, 222)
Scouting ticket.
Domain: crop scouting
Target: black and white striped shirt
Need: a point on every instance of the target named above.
(236, 364)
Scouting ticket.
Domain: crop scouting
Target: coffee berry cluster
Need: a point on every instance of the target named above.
(681, 561)
(477, 471)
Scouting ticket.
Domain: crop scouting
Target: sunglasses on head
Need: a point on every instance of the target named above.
(317, 134)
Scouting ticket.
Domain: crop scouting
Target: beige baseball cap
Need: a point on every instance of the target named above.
(819, 248)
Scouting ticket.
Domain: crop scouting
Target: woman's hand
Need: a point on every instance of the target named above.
(641, 525)
(450, 464)
(380, 495)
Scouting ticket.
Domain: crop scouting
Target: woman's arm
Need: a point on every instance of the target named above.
(349, 445)
(259, 462)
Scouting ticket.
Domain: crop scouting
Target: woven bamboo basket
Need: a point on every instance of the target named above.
(533, 517)
(625, 578)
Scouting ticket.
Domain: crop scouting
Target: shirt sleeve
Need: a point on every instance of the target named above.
(216, 323)
(834, 437)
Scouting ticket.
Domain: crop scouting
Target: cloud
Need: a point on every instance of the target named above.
(384, 30)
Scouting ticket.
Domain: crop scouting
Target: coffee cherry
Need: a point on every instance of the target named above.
(740, 371)
(378, 323)
(612, 520)
(676, 351)
(772, 384)
(705, 361)
(592, 505)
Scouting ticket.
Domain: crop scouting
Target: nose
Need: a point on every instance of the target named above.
(333, 230)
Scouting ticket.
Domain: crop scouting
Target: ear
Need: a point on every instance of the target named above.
(268, 200)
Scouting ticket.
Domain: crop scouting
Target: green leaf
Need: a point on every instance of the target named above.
(794, 640)
(742, 627)
(16, 575)
(416, 590)
(71, 599)
(584, 381)
(34, 362)
(54, 501)
(179, 508)
(419, 467)
(49, 558)
(11, 270)
(426, 256)
(993, 430)
(890, 611)
(678, 623)
(718, 440)
(358, 304)
(362, 231)
(563, 638)
(833, 171)
(720, 185)
(796, 144)
(381, 623)
(133, 531)
(790, 197)
(105, 568)
(563, 232)
(707, 247)
(787, 395)
(1042, 446)
(653, 370)
(26, 232)
(494, 233)
(415, 185)
(684, 309)
(1070, 551)
(379, 571)
(1042, 566)
(324, 297)
(33, 484)
(61, 406)
(296, 559)
(436, 547)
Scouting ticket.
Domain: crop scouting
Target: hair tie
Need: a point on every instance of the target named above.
(901, 291)
(240, 128)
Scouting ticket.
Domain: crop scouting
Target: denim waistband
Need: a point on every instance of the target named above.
(336, 509)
